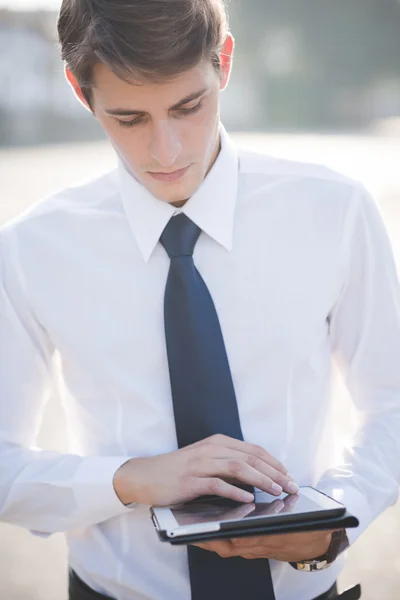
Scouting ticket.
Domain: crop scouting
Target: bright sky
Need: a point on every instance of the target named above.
(30, 4)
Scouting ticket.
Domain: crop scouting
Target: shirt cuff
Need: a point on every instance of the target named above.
(354, 501)
(93, 488)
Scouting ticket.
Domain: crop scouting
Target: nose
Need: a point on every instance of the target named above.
(165, 144)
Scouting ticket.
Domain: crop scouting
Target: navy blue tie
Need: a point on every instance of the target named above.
(204, 402)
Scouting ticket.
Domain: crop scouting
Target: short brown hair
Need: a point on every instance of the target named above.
(140, 39)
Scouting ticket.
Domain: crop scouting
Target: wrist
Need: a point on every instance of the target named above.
(339, 543)
(122, 482)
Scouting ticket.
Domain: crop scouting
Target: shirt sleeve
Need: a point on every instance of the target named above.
(365, 338)
(40, 490)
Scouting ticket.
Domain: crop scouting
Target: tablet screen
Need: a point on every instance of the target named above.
(222, 510)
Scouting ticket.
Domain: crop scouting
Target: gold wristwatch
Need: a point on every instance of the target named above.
(338, 544)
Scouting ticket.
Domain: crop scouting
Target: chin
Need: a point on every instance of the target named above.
(174, 193)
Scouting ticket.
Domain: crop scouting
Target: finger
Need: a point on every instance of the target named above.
(234, 444)
(222, 547)
(203, 545)
(249, 542)
(259, 451)
(286, 483)
(213, 486)
(315, 534)
(233, 468)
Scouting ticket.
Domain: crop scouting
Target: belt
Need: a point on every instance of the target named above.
(353, 593)
(78, 590)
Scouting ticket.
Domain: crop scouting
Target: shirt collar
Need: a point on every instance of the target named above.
(212, 206)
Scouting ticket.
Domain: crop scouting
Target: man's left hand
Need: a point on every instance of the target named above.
(286, 547)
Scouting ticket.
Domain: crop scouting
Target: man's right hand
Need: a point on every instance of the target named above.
(207, 468)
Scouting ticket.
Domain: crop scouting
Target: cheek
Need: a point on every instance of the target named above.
(199, 138)
(131, 146)
(207, 121)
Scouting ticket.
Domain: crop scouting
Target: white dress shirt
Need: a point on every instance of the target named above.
(300, 268)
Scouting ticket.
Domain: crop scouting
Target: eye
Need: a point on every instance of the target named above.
(131, 123)
(182, 111)
(192, 110)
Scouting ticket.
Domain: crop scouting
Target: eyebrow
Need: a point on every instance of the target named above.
(127, 112)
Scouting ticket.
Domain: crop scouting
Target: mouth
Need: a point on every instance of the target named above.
(174, 176)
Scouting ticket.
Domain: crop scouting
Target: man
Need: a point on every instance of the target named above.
(194, 296)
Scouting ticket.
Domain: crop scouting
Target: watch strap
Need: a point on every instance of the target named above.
(339, 543)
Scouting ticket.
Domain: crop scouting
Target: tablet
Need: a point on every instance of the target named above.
(208, 515)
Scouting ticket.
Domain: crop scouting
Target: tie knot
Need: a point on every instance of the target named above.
(180, 236)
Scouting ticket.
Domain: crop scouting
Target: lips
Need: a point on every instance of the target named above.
(174, 176)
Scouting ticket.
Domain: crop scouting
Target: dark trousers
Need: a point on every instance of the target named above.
(78, 590)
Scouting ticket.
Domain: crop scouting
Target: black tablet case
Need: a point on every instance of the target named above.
(266, 528)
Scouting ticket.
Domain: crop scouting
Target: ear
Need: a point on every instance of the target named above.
(226, 58)
(77, 88)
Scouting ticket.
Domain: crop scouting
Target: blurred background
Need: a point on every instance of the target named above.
(303, 65)
(313, 80)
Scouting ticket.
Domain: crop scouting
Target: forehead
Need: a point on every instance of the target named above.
(109, 91)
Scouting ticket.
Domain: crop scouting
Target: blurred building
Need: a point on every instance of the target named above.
(299, 65)
(36, 105)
